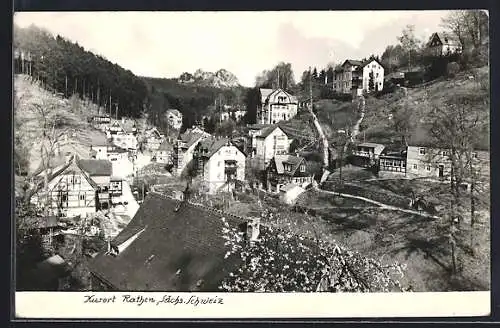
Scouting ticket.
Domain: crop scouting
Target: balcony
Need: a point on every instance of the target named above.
(362, 153)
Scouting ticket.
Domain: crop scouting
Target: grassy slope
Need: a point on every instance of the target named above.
(74, 113)
(377, 126)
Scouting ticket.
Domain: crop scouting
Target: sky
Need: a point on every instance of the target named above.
(166, 44)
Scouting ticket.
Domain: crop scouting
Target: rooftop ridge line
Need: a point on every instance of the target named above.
(204, 207)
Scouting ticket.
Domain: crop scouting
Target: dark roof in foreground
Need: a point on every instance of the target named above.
(174, 252)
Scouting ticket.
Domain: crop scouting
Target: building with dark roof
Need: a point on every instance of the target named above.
(269, 141)
(169, 245)
(443, 44)
(357, 77)
(184, 147)
(286, 169)
(366, 154)
(70, 191)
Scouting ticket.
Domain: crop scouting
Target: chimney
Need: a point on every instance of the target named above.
(253, 229)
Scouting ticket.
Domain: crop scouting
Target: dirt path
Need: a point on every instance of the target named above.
(355, 128)
(381, 205)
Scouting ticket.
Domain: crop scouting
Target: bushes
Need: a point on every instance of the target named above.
(452, 69)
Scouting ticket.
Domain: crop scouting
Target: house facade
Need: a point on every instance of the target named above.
(153, 139)
(174, 118)
(126, 141)
(276, 105)
(366, 154)
(392, 162)
(287, 169)
(443, 44)
(354, 77)
(220, 164)
(164, 153)
(269, 142)
(184, 148)
(70, 192)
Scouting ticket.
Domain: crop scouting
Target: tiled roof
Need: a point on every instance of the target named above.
(295, 161)
(192, 137)
(447, 38)
(96, 167)
(210, 146)
(265, 93)
(353, 62)
(268, 130)
(176, 250)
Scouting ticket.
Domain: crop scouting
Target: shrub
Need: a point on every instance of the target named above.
(452, 69)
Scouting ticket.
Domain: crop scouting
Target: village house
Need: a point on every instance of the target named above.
(235, 113)
(392, 161)
(150, 253)
(366, 154)
(164, 153)
(443, 44)
(269, 141)
(220, 164)
(101, 122)
(70, 192)
(276, 105)
(121, 164)
(286, 169)
(99, 147)
(100, 172)
(126, 141)
(174, 118)
(153, 139)
(354, 77)
(184, 147)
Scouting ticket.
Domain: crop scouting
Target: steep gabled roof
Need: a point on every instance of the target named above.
(208, 147)
(191, 137)
(70, 166)
(268, 130)
(366, 62)
(264, 93)
(352, 62)
(96, 167)
(176, 251)
(445, 38)
(294, 161)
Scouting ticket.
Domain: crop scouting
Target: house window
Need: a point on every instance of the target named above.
(421, 151)
(76, 179)
(428, 168)
(82, 197)
(302, 168)
(474, 155)
(445, 153)
(415, 166)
